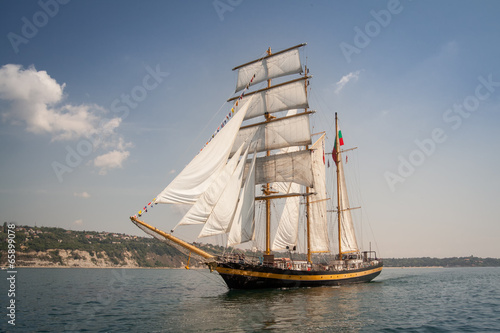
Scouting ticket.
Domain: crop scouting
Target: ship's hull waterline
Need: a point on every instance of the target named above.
(247, 276)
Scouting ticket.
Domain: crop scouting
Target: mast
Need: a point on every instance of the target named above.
(267, 191)
(308, 232)
(337, 161)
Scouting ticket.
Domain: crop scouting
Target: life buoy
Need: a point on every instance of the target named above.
(288, 265)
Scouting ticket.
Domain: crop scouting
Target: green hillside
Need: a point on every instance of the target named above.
(46, 244)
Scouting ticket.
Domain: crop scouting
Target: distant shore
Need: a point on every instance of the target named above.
(48, 247)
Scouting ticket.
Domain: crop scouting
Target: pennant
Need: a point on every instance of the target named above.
(341, 141)
(323, 148)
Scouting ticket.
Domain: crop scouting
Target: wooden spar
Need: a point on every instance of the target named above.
(337, 161)
(334, 210)
(273, 120)
(269, 54)
(280, 196)
(270, 87)
(268, 188)
(343, 151)
(176, 240)
(308, 202)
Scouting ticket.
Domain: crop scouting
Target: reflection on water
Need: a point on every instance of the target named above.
(283, 309)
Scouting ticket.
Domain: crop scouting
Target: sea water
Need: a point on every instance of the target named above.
(163, 300)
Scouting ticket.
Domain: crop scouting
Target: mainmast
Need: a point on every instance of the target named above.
(337, 161)
(308, 231)
(267, 190)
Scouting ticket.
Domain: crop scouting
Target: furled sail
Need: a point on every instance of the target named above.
(222, 214)
(286, 96)
(318, 228)
(269, 67)
(243, 224)
(348, 234)
(197, 176)
(276, 134)
(200, 211)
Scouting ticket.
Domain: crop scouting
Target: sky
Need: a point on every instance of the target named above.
(103, 103)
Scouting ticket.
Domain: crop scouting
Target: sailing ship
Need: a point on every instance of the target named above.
(262, 153)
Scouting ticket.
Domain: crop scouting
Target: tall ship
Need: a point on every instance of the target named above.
(263, 172)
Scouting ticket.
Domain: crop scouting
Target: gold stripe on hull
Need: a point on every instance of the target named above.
(290, 277)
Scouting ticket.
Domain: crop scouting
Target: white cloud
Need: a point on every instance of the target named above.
(34, 97)
(35, 102)
(84, 195)
(113, 159)
(353, 76)
(78, 222)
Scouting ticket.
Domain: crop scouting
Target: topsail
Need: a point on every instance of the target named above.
(270, 67)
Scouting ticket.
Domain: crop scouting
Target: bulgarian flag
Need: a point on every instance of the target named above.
(341, 143)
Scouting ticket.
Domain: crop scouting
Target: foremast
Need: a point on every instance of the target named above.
(267, 191)
(221, 163)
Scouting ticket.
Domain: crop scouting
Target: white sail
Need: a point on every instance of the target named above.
(269, 68)
(288, 227)
(318, 229)
(195, 178)
(283, 97)
(200, 211)
(348, 234)
(285, 132)
(222, 214)
(290, 167)
(243, 225)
